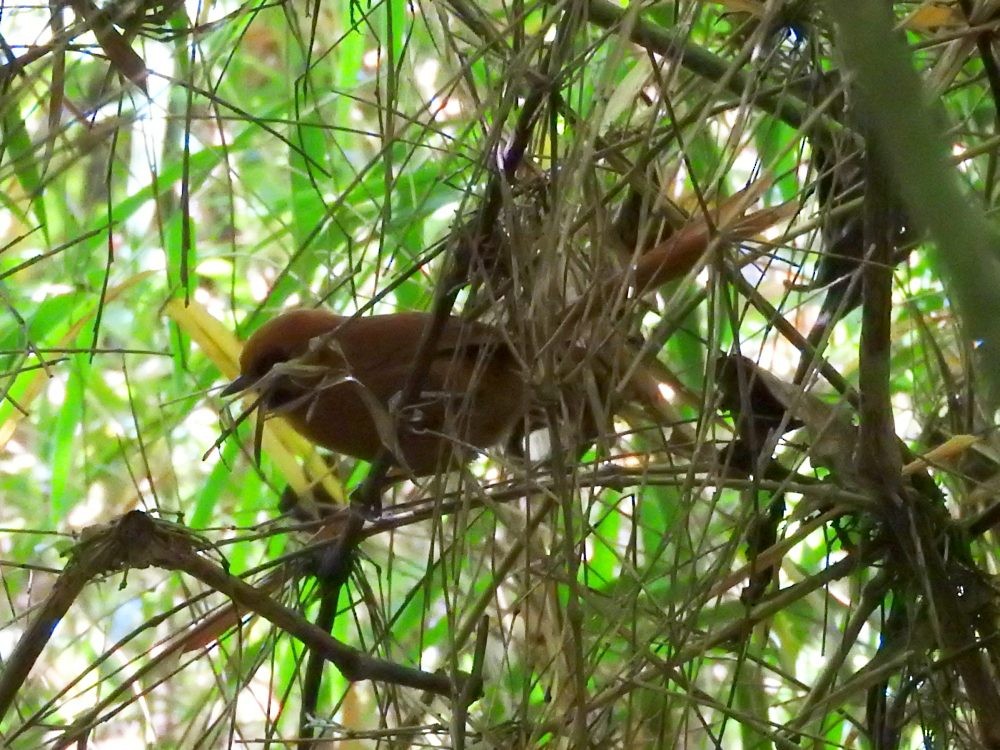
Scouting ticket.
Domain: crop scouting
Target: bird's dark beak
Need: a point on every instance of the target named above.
(237, 386)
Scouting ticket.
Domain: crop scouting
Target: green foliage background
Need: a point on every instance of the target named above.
(327, 153)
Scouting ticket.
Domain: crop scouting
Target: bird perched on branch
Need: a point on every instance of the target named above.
(336, 380)
(339, 380)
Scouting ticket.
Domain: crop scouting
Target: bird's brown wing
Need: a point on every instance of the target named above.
(472, 392)
(382, 350)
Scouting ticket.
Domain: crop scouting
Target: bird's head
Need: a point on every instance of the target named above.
(281, 339)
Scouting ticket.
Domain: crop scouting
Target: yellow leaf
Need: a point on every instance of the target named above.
(281, 442)
(932, 16)
(951, 449)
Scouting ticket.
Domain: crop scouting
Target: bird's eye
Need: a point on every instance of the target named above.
(278, 391)
(265, 363)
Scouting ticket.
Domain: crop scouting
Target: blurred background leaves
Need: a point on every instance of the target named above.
(165, 163)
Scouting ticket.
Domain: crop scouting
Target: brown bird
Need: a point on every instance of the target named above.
(338, 380)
